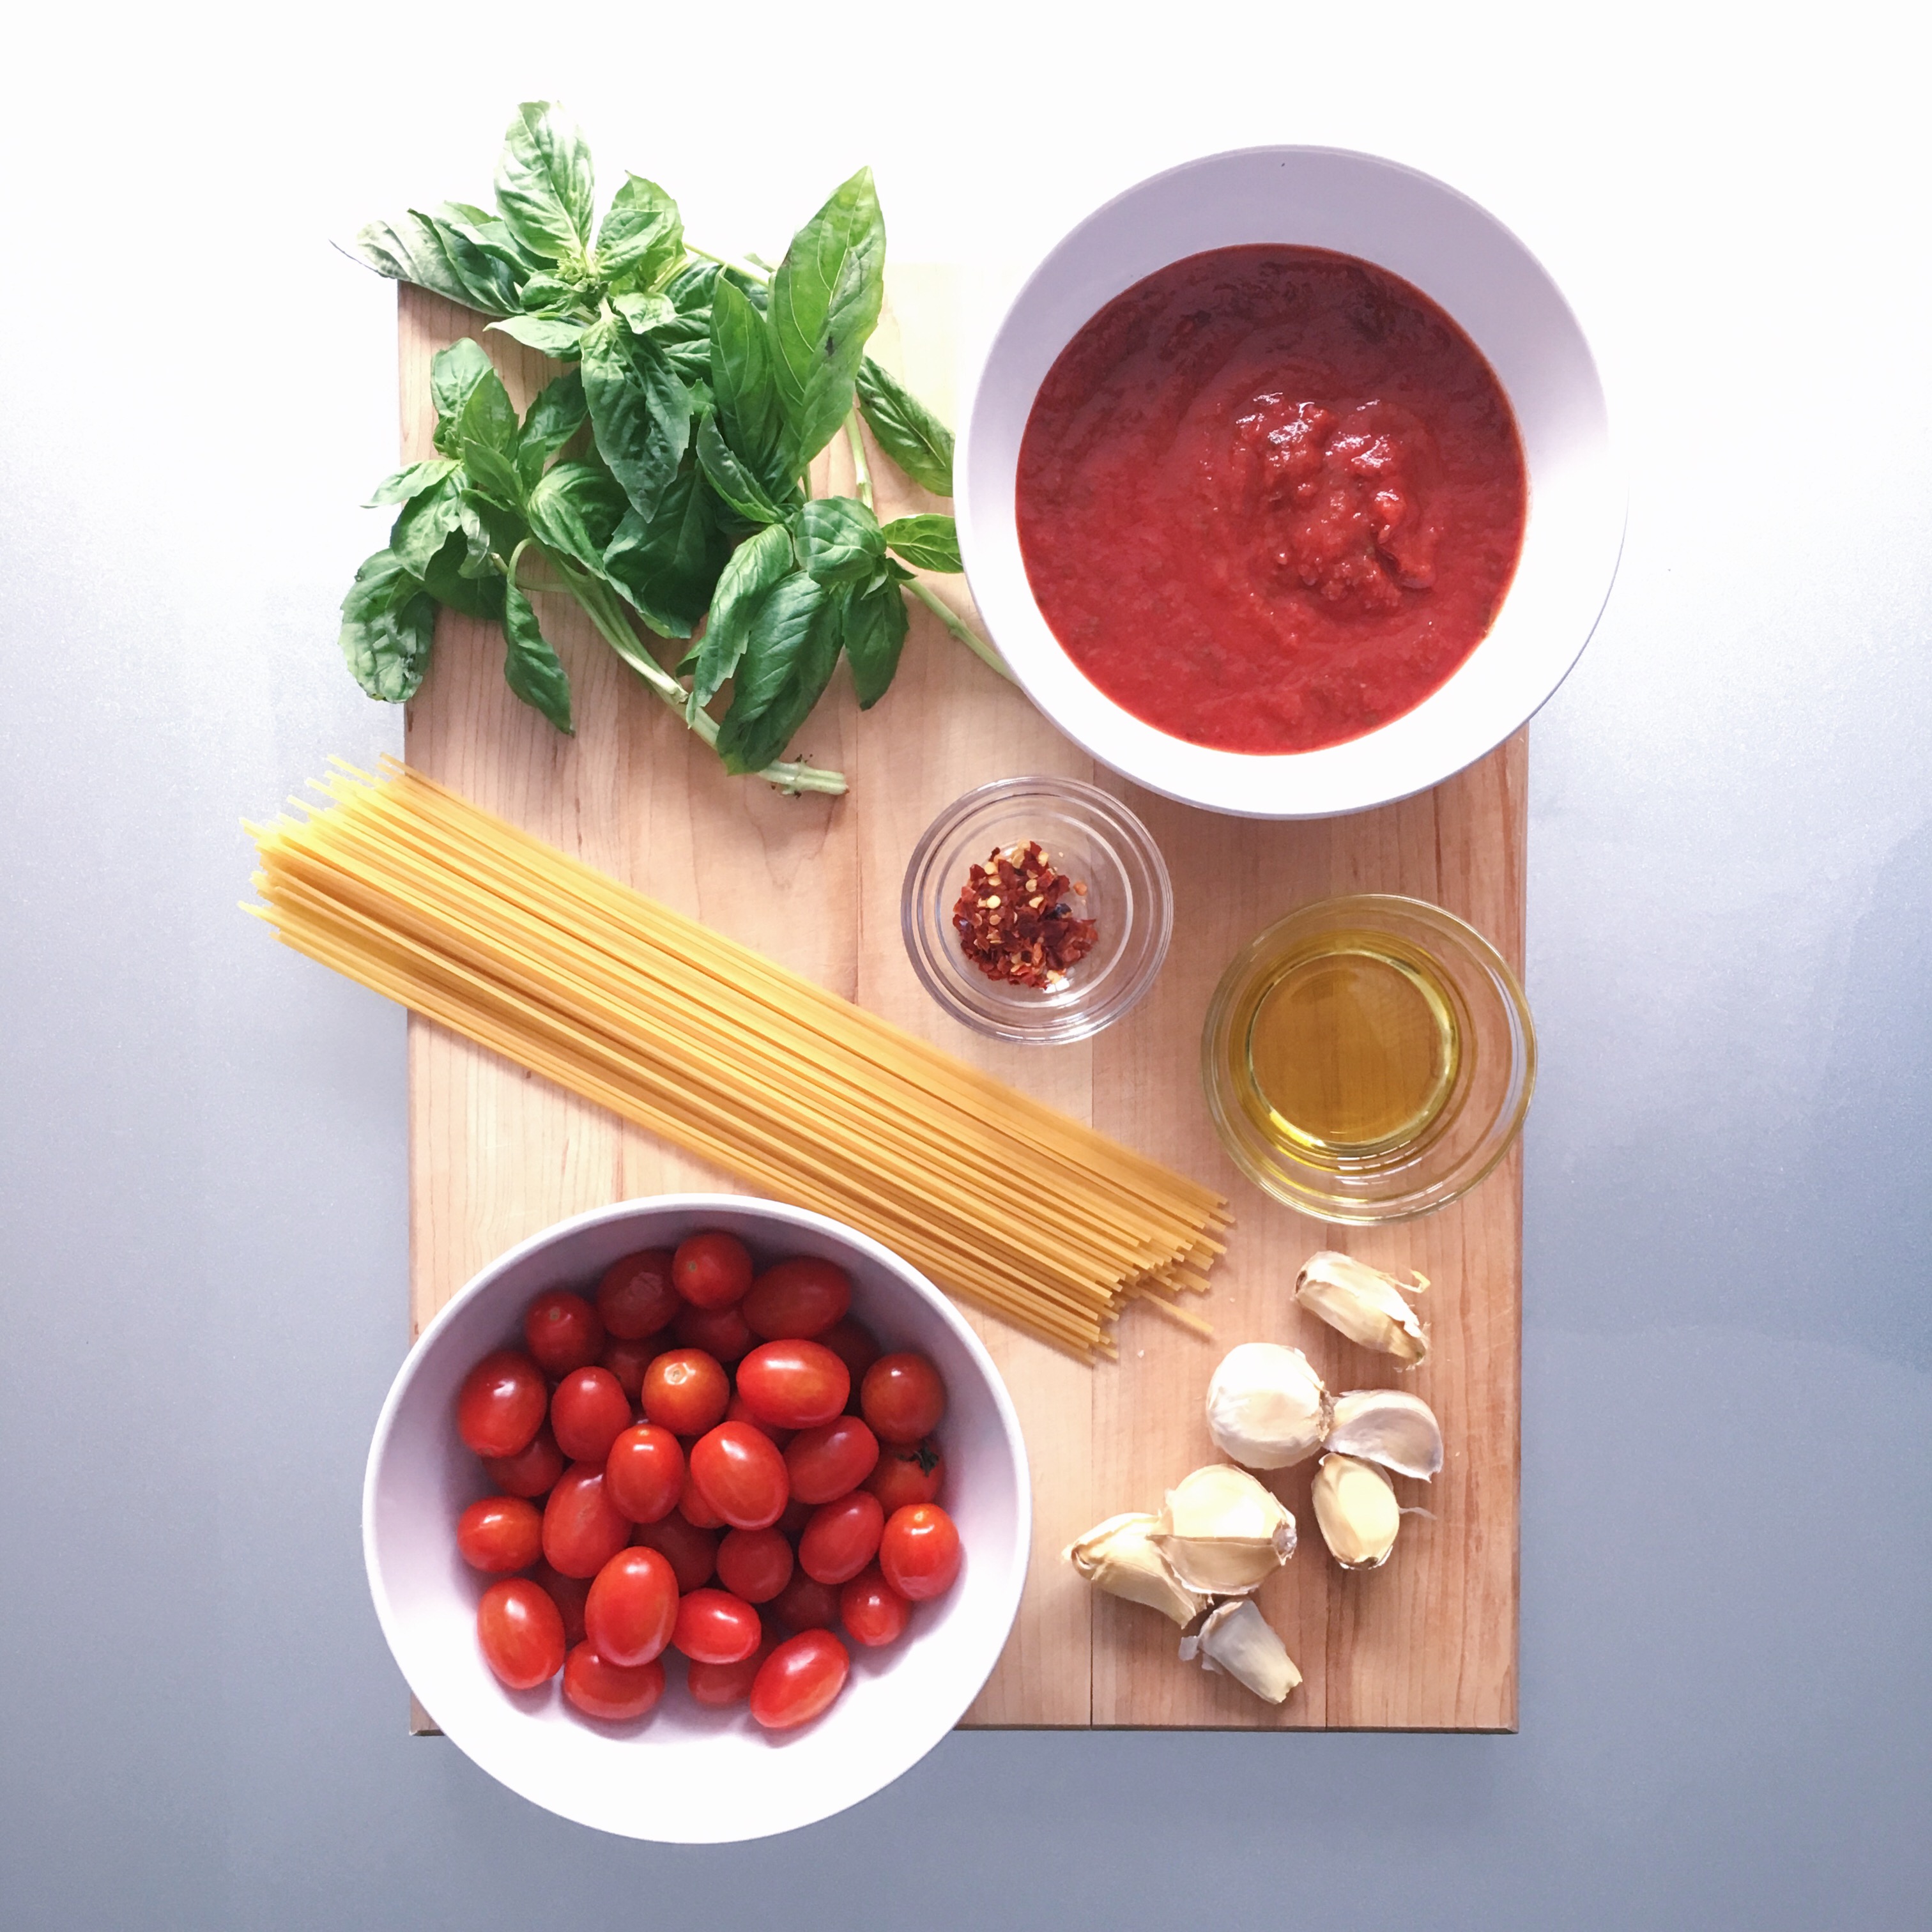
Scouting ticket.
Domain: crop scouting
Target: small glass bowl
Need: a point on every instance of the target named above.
(1482, 1089)
(1087, 834)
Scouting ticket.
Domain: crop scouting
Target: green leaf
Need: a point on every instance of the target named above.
(932, 543)
(388, 625)
(825, 302)
(488, 417)
(646, 314)
(426, 524)
(906, 429)
(786, 663)
(453, 377)
(531, 668)
(554, 419)
(758, 563)
(744, 383)
(839, 541)
(449, 581)
(550, 335)
(490, 525)
(422, 249)
(411, 482)
(642, 238)
(548, 293)
(575, 508)
(732, 481)
(639, 409)
(544, 187)
(875, 629)
(669, 567)
(490, 233)
(493, 475)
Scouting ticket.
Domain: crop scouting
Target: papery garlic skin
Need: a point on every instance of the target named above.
(1356, 1508)
(1267, 1408)
(1121, 1557)
(1238, 1641)
(1223, 1534)
(1364, 1304)
(1386, 1425)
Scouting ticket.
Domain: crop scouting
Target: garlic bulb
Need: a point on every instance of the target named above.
(1384, 1426)
(1355, 1505)
(1119, 1557)
(1266, 1406)
(1239, 1641)
(1364, 1304)
(1222, 1533)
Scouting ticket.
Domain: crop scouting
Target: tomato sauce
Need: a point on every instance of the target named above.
(1271, 498)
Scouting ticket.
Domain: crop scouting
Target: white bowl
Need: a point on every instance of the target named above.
(1463, 259)
(686, 1774)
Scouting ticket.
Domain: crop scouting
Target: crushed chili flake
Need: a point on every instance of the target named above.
(1013, 920)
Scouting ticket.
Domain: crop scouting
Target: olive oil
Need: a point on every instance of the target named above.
(1348, 1049)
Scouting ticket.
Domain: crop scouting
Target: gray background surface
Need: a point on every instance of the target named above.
(1727, 1341)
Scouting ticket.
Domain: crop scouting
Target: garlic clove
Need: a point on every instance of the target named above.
(1267, 1408)
(1355, 1506)
(1386, 1425)
(1239, 1642)
(1121, 1557)
(1364, 1304)
(1223, 1533)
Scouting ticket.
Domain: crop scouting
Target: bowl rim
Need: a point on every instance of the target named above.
(780, 1213)
(1096, 725)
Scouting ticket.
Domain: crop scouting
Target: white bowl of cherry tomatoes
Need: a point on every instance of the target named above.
(697, 1519)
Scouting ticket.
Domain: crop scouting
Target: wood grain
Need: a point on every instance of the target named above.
(1428, 1641)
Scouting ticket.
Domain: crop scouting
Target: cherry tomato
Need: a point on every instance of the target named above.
(635, 1296)
(842, 1538)
(714, 1627)
(695, 1507)
(794, 1384)
(568, 1593)
(907, 1474)
(686, 1391)
(502, 1403)
(613, 1691)
(712, 1269)
(721, 1332)
(854, 1345)
(902, 1398)
(521, 1632)
(741, 1474)
(871, 1610)
(797, 1299)
(754, 1564)
(798, 1682)
(632, 1606)
(563, 1331)
(804, 1604)
(691, 1553)
(644, 1474)
(531, 1470)
(739, 1411)
(500, 1534)
(628, 1361)
(582, 1528)
(918, 1553)
(589, 1410)
(716, 1685)
(826, 1462)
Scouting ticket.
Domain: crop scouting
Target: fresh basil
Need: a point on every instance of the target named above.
(544, 186)
(642, 240)
(575, 508)
(640, 409)
(422, 249)
(744, 386)
(647, 314)
(531, 668)
(757, 564)
(669, 567)
(551, 420)
(906, 429)
(450, 580)
(787, 662)
(427, 522)
(839, 541)
(875, 631)
(550, 335)
(453, 375)
(388, 625)
(731, 479)
(411, 482)
(932, 543)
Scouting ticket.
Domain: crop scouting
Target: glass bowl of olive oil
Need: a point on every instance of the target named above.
(1368, 1058)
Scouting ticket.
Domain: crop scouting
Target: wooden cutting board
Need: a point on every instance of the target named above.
(1428, 1641)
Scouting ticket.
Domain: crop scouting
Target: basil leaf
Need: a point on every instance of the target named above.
(639, 409)
(669, 567)
(425, 524)
(489, 525)
(875, 629)
(421, 250)
(907, 431)
(731, 479)
(839, 541)
(449, 581)
(645, 314)
(545, 291)
(554, 419)
(575, 508)
(932, 543)
(744, 381)
(786, 664)
(544, 183)
(388, 625)
(550, 335)
(453, 377)
(493, 475)
(825, 302)
(412, 482)
(756, 565)
(531, 668)
(489, 233)
(642, 239)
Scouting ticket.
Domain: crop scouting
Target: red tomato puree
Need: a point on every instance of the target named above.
(1271, 498)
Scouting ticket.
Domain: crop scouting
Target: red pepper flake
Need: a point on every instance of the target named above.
(1013, 920)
